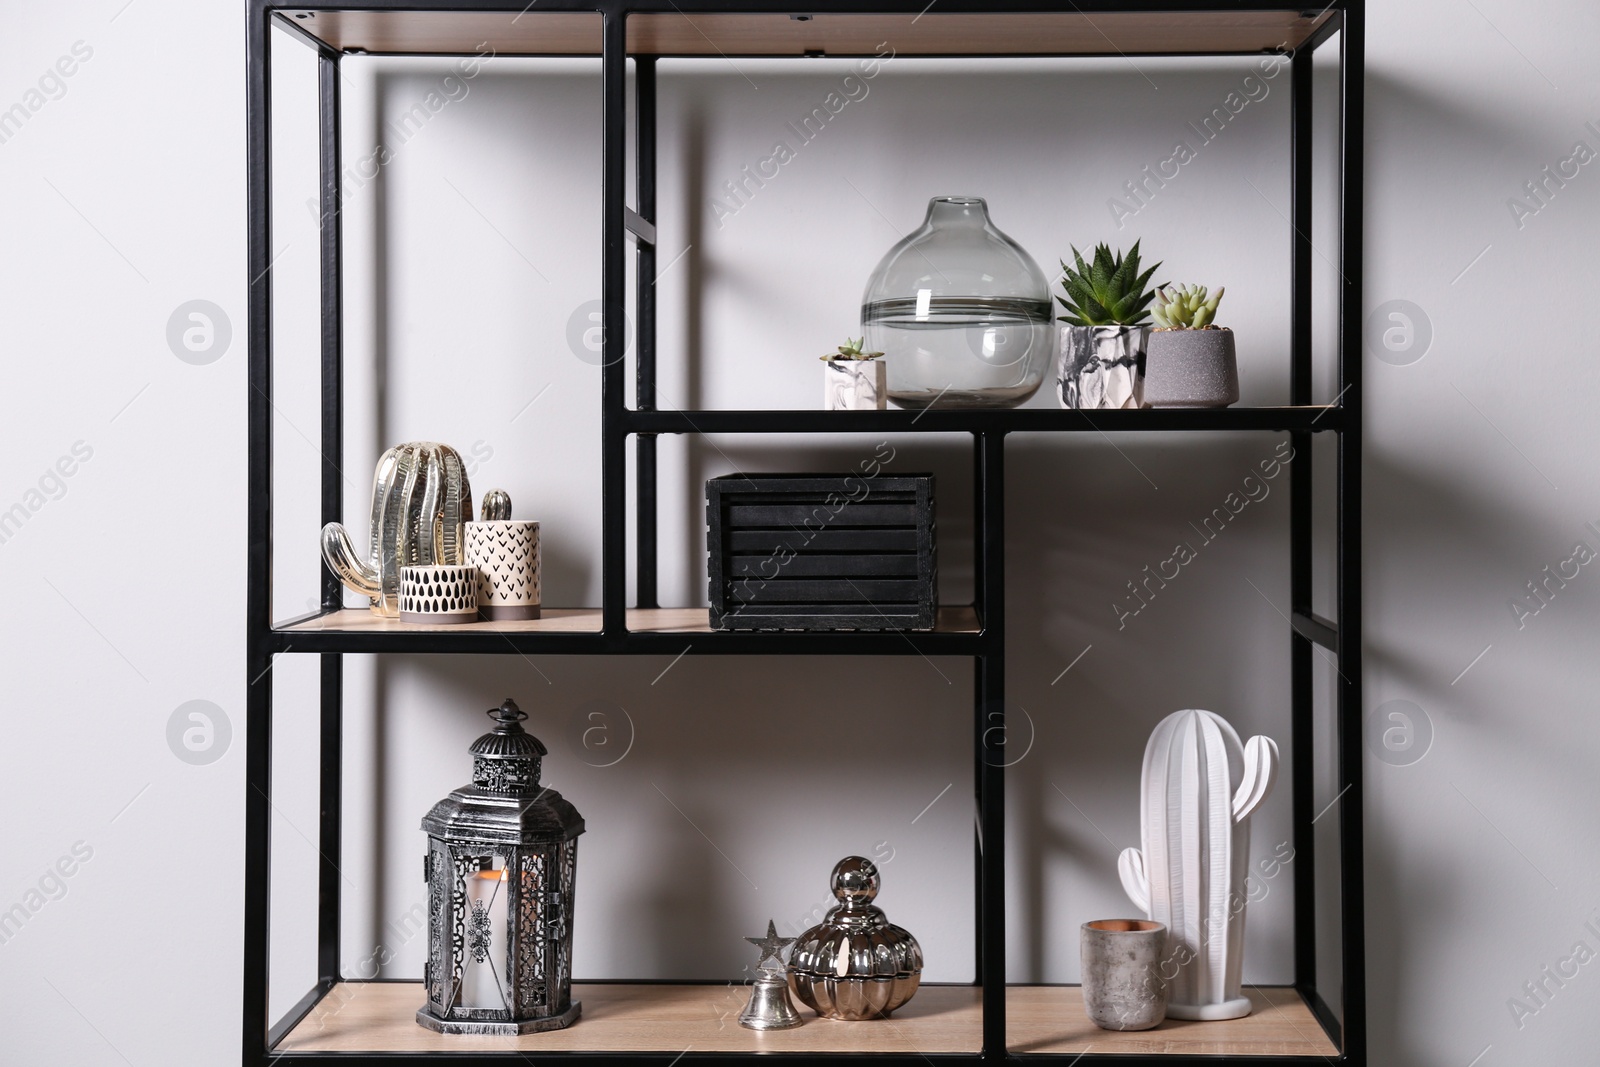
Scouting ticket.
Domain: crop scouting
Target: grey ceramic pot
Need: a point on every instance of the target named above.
(1122, 985)
(1191, 369)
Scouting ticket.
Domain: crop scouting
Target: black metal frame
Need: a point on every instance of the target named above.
(988, 429)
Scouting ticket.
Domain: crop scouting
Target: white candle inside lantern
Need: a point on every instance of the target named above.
(483, 963)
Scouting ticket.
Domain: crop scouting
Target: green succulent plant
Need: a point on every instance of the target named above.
(1186, 307)
(1107, 292)
(851, 349)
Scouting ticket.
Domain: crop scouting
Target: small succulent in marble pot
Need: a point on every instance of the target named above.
(852, 350)
(1191, 361)
(854, 379)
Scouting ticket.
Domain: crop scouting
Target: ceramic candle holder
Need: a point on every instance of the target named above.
(1122, 985)
(505, 555)
(438, 593)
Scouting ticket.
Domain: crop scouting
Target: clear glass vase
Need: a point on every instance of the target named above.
(960, 311)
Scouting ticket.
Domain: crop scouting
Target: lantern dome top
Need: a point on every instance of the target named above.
(508, 740)
(505, 802)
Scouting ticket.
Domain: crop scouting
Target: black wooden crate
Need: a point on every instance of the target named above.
(821, 552)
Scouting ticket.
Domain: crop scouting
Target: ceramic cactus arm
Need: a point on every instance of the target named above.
(1135, 879)
(1260, 772)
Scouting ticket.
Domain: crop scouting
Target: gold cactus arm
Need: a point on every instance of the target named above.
(1260, 772)
(340, 554)
(1135, 879)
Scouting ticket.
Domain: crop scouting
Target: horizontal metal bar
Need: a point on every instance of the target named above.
(1324, 1015)
(790, 1059)
(1323, 32)
(639, 226)
(444, 53)
(302, 34)
(973, 420)
(1224, 10)
(662, 643)
(1172, 1059)
(832, 8)
(301, 1009)
(666, 1059)
(1314, 627)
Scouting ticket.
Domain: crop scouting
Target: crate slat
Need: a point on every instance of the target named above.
(818, 515)
(770, 542)
(823, 565)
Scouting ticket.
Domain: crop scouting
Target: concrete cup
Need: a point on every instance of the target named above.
(1122, 985)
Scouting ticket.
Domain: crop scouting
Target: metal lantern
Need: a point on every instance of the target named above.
(502, 853)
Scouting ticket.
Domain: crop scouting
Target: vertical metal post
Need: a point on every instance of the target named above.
(981, 605)
(989, 679)
(644, 119)
(613, 292)
(1302, 697)
(258, 593)
(331, 749)
(1353, 927)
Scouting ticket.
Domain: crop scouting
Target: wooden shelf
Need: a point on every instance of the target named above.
(648, 1017)
(1312, 418)
(1051, 1019)
(958, 619)
(651, 631)
(362, 621)
(680, 33)
(380, 1017)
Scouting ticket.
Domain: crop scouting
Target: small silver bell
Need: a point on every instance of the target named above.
(770, 1007)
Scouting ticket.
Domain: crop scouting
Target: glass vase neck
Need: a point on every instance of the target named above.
(953, 211)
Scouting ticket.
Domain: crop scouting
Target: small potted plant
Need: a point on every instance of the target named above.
(854, 380)
(1100, 362)
(1191, 362)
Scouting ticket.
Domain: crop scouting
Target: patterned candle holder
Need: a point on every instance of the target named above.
(438, 593)
(504, 553)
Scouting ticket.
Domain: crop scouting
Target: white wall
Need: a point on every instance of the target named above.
(470, 254)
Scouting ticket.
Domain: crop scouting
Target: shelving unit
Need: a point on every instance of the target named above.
(340, 1022)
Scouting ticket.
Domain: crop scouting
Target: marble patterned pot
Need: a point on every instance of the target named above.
(1122, 985)
(1101, 366)
(854, 385)
(1191, 369)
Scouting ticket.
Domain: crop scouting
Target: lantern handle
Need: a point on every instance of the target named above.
(507, 714)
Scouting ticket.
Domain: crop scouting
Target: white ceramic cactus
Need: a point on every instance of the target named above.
(1197, 792)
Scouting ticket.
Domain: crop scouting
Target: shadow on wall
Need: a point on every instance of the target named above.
(718, 791)
(1092, 666)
